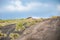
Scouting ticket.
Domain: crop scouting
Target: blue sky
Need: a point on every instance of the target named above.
(11, 9)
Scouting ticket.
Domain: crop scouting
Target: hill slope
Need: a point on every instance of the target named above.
(46, 30)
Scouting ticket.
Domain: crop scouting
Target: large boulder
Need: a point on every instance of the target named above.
(46, 30)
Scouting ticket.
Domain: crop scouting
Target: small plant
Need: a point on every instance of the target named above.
(19, 26)
(2, 35)
(14, 36)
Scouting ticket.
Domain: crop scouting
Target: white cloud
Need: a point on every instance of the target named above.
(16, 5)
(36, 17)
(58, 7)
(10, 7)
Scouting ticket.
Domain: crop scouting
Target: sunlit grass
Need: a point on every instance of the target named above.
(14, 36)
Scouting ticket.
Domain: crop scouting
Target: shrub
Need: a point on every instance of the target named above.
(19, 26)
(2, 35)
(14, 36)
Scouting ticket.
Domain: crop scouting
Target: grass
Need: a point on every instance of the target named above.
(21, 24)
(2, 34)
(14, 36)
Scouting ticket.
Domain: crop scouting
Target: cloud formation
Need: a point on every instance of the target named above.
(25, 8)
(16, 5)
(58, 7)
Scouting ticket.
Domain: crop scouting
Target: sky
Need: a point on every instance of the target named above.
(11, 9)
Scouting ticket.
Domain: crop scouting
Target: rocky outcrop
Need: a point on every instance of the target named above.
(46, 30)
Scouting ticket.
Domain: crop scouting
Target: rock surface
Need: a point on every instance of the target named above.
(46, 30)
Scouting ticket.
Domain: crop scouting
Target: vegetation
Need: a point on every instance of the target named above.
(2, 34)
(0, 25)
(21, 24)
(54, 16)
(14, 36)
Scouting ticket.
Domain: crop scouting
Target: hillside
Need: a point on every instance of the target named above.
(30, 29)
(46, 30)
(11, 28)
